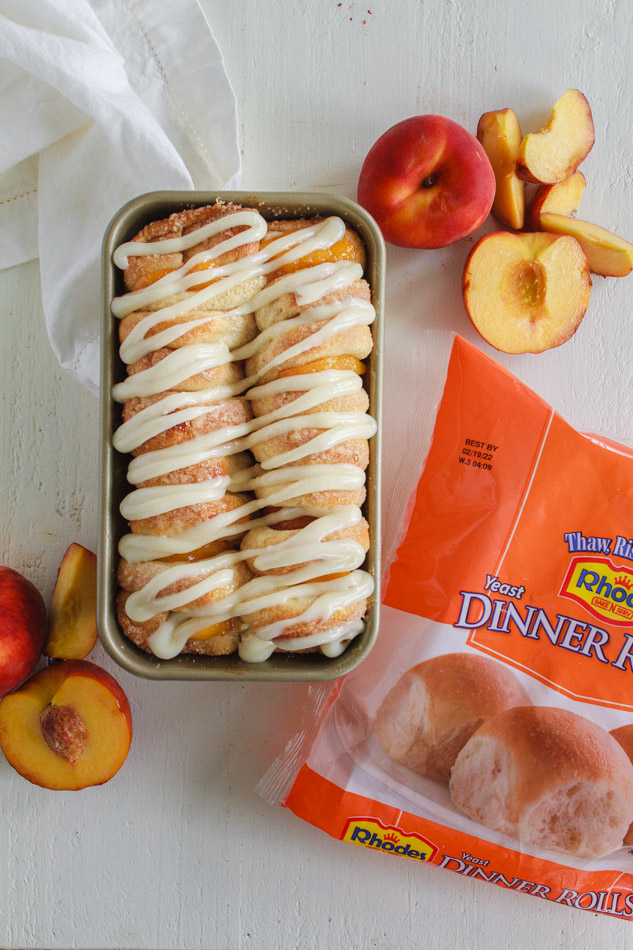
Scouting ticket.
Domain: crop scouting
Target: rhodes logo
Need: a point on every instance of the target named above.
(371, 833)
(603, 589)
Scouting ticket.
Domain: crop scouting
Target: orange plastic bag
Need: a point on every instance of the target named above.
(490, 731)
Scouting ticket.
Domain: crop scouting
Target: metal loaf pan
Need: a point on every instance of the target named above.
(292, 667)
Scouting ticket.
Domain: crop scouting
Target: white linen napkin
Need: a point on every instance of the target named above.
(100, 101)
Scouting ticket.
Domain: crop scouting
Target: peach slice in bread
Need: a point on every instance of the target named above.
(500, 135)
(72, 630)
(348, 248)
(525, 293)
(561, 198)
(67, 727)
(607, 254)
(555, 152)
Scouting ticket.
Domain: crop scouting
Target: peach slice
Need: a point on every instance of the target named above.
(555, 152)
(146, 280)
(561, 198)
(342, 250)
(526, 293)
(200, 554)
(67, 727)
(607, 254)
(500, 135)
(72, 629)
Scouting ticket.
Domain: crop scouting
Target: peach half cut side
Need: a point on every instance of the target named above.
(561, 198)
(526, 293)
(608, 255)
(555, 152)
(67, 727)
(72, 627)
(500, 134)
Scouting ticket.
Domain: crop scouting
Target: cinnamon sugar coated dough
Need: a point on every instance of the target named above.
(244, 411)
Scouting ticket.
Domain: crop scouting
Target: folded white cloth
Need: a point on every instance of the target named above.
(100, 101)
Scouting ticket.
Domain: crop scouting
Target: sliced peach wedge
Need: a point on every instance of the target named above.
(561, 198)
(525, 293)
(72, 631)
(500, 135)
(67, 727)
(555, 152)
(325, 363)
(607, 254)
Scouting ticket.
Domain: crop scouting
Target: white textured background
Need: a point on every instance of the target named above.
(177, 851)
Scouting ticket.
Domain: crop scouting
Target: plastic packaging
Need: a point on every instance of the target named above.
(490, 732)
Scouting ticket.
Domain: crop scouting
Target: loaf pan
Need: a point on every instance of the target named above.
(113, 483)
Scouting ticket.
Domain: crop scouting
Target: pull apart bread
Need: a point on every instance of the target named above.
(246, 417)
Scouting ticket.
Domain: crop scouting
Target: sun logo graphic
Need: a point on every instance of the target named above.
(372, 833)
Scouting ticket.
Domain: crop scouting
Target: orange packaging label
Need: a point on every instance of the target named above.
(540, 516)
(497, 705)
(325, 805)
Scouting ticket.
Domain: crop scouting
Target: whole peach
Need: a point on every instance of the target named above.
(427, 182)
(22, 628)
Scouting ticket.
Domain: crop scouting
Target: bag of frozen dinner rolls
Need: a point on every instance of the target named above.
(490, 731)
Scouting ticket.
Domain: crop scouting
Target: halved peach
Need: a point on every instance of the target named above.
(526, 293)
(561, 198)
(555, 152)
(67, 727)
(500, 135)
(607, 254)
(72, 628)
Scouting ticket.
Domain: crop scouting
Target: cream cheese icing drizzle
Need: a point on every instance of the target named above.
(283, 476)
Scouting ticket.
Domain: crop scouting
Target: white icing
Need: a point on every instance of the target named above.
(281, 479)
(172, 370)
(331, 595)
(163, 415)
(256, 225)
(325, 385)
(145, 603)
(167, 642)
(253, 650)
(332, 642)
(149, 502)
